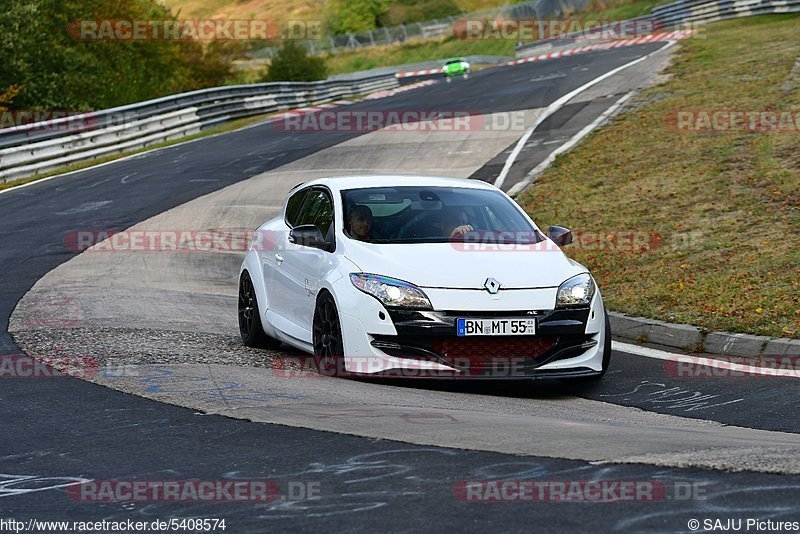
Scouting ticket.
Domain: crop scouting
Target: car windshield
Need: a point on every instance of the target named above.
(418, 214)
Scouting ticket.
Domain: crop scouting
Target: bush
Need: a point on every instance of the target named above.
(353, 16)
(409, 11)
(292, 64)
(7, 97)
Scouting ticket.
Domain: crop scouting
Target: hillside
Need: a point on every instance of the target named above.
(286, 9)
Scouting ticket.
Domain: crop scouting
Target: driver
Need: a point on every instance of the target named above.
(360, 222)
(452, 223)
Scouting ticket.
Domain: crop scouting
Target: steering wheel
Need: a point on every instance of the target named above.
(405, 230)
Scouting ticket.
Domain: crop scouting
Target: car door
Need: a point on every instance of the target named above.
(269, 255)
(298, 267)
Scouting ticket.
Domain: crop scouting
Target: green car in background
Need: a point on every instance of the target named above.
(455, 67)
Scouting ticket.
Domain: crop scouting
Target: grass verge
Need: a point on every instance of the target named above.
(724, 203)
(414, 52)
(622, 10)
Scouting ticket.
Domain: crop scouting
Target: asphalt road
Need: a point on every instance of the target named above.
(70, 428)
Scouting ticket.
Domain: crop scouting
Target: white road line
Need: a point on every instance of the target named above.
(555, 106)
(519, 186)
(729, 366)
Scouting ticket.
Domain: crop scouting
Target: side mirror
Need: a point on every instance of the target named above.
(307, 235)
(559, 235)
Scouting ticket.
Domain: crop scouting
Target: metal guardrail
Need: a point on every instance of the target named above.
(683, 13)
(699, 11)
(37, 148)
(682, 5)
(593, 34)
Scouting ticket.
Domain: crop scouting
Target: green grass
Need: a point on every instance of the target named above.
(415, 52)
(726, 204)
(622, 10)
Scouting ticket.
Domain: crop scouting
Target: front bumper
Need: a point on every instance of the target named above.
(425, 345)
(431, 336)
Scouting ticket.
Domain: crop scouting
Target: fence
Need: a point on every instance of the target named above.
(41, 147)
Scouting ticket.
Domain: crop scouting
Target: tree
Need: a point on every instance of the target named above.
(7, 97)
(57, 71)
(352, 16)
(292, 64)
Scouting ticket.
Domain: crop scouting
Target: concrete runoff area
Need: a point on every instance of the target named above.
(136, 311)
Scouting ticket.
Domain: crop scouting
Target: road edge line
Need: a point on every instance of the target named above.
(558, 104)
(574, 140)
(708, 361)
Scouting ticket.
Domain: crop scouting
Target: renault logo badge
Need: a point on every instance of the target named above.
(492, 286)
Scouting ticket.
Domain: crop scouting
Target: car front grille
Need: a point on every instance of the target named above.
(479, 352)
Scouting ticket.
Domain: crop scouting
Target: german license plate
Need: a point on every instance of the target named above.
(495, 327)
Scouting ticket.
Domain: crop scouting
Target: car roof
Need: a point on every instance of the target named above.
(340, 183)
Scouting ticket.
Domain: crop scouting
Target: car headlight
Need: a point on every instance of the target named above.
(390, 291)
(577, 291)
(465, 65)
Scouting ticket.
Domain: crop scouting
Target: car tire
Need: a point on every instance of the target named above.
(327, 337)
(250, 327)
(466, 75)
(448, 79)
(606, 358)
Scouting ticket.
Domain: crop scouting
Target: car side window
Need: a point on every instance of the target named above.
(293, 206)
(317, 210)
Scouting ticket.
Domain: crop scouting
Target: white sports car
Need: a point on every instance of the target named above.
(421, 277)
